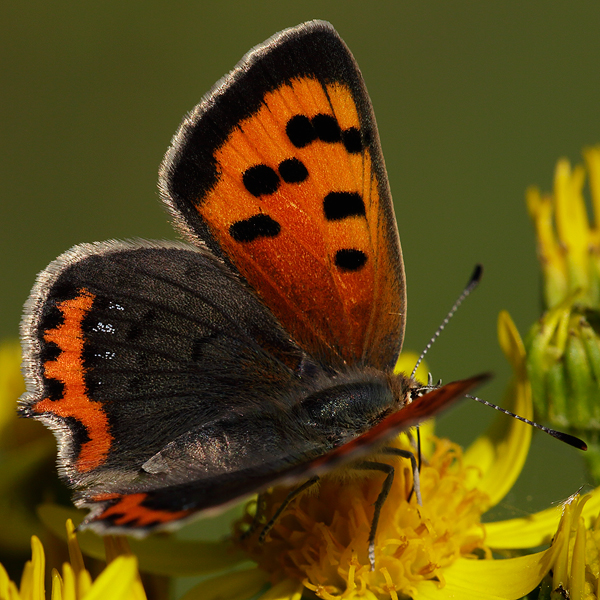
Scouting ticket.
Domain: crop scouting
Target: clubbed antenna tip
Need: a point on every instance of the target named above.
(559, 435)
(476, 276)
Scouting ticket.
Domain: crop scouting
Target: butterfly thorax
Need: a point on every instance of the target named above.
(354, 404)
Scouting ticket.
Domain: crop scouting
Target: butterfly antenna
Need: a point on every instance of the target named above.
(559, 435)
(473, 281)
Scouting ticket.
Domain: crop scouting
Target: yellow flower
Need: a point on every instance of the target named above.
(568, 246)
(573, 560)
(322, 539)
(119, 581)
(563, 347)
(576, 568)
(24, 449)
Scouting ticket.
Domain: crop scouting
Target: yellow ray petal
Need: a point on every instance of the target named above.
(69, 586)
(4, 582)
(235, 585)
(116, 581)
(549, 250)
(8, 589)
(509, 579)
(537, 529)
(578, 564)
(75, 556)
(57, 585)
(501, 451)
(38, 561)
(592, 159)
(572, 221)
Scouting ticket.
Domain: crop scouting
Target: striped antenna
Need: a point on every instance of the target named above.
(473, 281)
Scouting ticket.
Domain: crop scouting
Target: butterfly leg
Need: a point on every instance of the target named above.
(417, 446)
(385, 489)
(291, 495)
(383, 494)
(258, 516)
(416, 467)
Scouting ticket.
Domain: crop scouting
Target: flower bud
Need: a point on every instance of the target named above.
(563, 347)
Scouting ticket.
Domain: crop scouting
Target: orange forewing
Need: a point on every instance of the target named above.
(321, 305)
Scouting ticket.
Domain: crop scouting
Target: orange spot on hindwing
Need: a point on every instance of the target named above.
(65, 377)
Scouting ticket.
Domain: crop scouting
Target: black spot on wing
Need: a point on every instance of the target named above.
(300, 131)
(293, 170)
(79, 433)
(349, 259)
(352, 140)
(340, 205)
(54, 388)
(260, 180)
(135, 332)
(64, 289)
(49, 351)
(137, 329)
(327, 128)
(52, 318)
(199, 346)
(255, 227)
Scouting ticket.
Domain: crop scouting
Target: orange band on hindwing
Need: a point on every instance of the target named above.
(68, 369)
(129, 511)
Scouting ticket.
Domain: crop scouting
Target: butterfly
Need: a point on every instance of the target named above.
(180, 377)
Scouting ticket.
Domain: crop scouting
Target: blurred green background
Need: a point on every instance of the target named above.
(475, 101)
